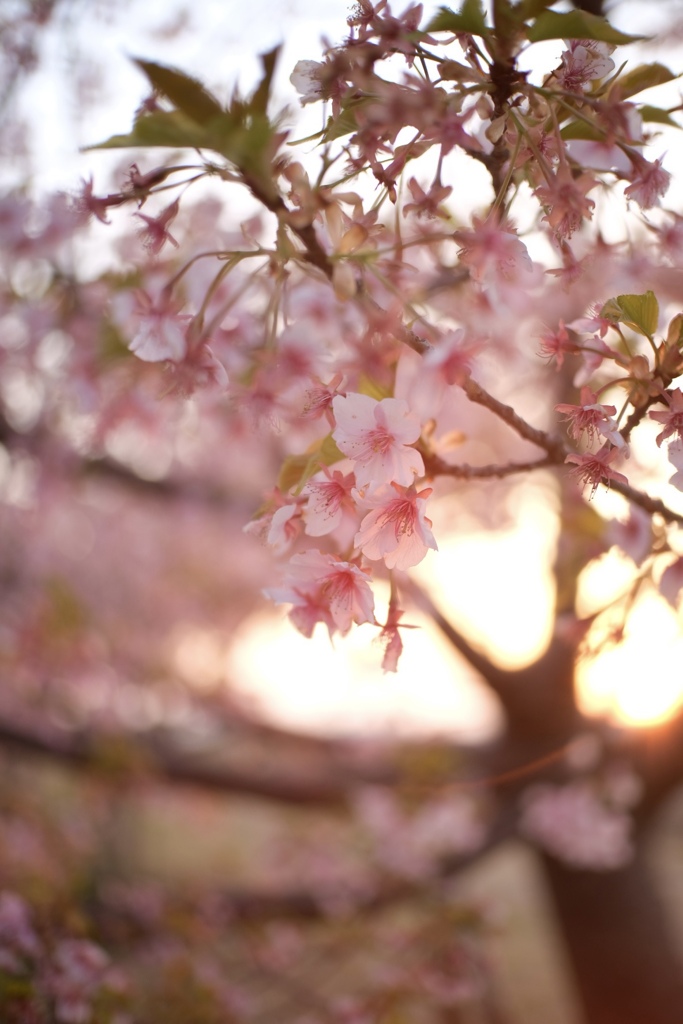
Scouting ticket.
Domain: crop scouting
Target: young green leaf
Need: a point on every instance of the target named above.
(470, 18)
(644, 76)
(297, 470)
(582, 130)
(657, 115)
(259, 100)
(639, 312)
(576, 25)
(184, 92)
(168, 128)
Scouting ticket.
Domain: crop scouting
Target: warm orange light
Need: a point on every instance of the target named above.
(497, 587)
(640, 682)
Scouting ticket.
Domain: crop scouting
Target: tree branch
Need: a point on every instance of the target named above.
(120, 757)
(555, 448)
(462, 471)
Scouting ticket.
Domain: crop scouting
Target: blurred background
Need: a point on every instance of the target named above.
(135, 643)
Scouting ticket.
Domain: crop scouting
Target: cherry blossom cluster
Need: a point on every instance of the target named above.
(406, 269)
(374, 511)
(70, 976)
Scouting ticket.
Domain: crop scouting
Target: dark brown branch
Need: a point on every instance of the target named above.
(646, 502)
(121, 758)
(476, 393)
(462, 471)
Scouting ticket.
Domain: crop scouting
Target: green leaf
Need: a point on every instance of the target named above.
(297, 470)
(576, 25)
(346, 122)
(368, 386)
(644, 76)
(582, 130)
(161, 128)
(184, 92)
(639, 312)
(470, 18)
(259, 100)
(657, 115)
(532, 8)
(674, 336)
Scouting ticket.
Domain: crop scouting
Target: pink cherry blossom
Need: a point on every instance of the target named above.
(397, 530)
(285, 526)
(329, 504)
(671, 418)
(79, 971)
(583, 61)
(319, 399)
(160, 333)
(377, 436)
(390, 636)
(323, 588)
(595, 468)
(671, 583)
(307, 79)
(18, 940)
(649, 182)
(427, 204)
(633, 536)
(155, 234)
(98, 206)
(592, 418)
(574, 824)
(675, 453)
(556, 344)
(493, 252)
(564, 198)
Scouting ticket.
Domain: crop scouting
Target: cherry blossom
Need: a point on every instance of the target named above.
(493, 252)
(377, 436)
(575, 825)
(319, 399)
(285, 526)
(672, 418)
(427, 204)
(675, 455)
(565, 198)
(556, 344)
(307, 79)
(592, 418)
(160, 333)
(78, 972)
(390, 635)
(330, 506)
(648, 183)
(98, 206)
(583, 61)
(18, 939)
(594, 469)
(671, 582)
(323, 588)
(397, 530)
(155, 234)
(634, 536)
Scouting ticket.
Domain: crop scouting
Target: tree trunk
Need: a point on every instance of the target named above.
(628, 970)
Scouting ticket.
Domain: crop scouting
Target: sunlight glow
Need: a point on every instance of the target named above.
(639, 682)
(341, 689)
(496, 585)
